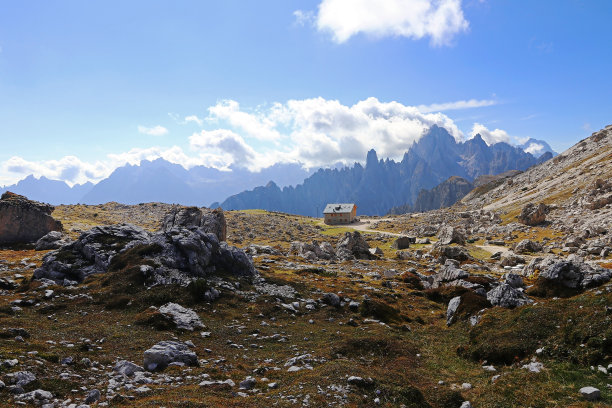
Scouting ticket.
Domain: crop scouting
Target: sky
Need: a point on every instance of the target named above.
(87, 86)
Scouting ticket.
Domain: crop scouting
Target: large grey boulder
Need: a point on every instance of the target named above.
(52, 240)
(505, 295)
(127, 368)
(573, 273)
(450, 272)
(527, 246)
(164, 353)
(182, 317)
(445, 252)
(23, 220)
(212, 221)
(20, 378)
(511, 259)
(533, 214)
(449, 235)
(352, 246)
(403, 242)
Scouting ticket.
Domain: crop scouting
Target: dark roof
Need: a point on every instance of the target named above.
(338, 208)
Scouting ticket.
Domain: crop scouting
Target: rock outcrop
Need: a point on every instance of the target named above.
(23, 220)
(505, 295)
(533, 214)
(573, 273)
(52, 240)
(176, 255)
(212, 221)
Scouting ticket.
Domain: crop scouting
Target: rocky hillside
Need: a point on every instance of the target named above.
(443, 195)
(575, 184)
(384, 184)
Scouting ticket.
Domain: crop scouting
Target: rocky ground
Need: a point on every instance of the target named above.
(499, 303)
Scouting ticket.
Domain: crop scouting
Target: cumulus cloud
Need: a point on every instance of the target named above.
(227, 144)
(315, 132)
(440, 20)
(258, 126)
(490, 136)
(536, 149)
(153, 131)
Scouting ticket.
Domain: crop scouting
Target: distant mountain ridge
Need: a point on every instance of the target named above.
(158, 181)
(384, 184)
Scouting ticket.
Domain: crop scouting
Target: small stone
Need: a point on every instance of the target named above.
(92, 396)
(590, 393)
(248, 383)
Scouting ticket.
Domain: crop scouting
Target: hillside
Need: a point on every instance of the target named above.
(443, 195)
(573, 183)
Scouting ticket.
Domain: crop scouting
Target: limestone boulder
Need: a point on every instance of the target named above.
(23, 220)
(182, 317)
(352, 246)
(507, 296)
(210, 221)
(165, 353)
(533, 214)
(450, 235)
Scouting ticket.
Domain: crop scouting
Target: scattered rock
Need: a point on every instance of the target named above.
(182, 317)
(527, 246)
(402, 243)
(92, 396)
(453, 305)
(352, 246)
(449, 235)
(534, 367)
(505, 295)
(166, 352)
(590, 393)
(331, 299)
(533, 214)
(127, 368)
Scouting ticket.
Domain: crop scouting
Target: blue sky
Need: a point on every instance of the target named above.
(88, 86)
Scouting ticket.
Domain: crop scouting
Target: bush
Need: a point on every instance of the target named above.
(380, 311)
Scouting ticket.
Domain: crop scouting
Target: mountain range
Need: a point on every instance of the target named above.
(384, 184)
(376, 187)
(158, 181)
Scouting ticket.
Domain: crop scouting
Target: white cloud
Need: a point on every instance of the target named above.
(226, 145)
(490, 136)
(315, 132)
(303, 18)
(195, 119)
(258, 126)
(535, 148)
(153, 131)
(440, 20)
(467, 104)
